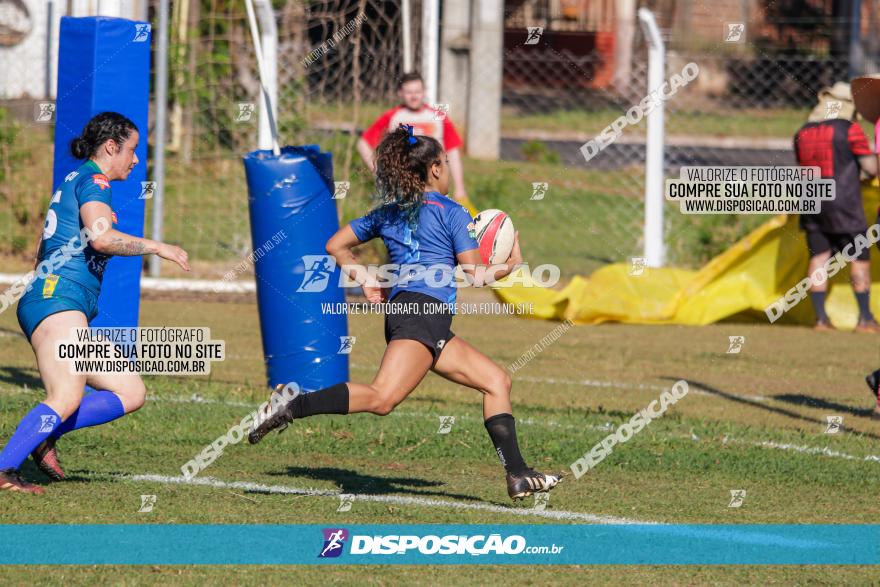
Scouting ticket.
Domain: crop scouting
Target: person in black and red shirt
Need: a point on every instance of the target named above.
(832, 141)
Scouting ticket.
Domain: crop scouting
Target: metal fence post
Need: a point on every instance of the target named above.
(159, 139)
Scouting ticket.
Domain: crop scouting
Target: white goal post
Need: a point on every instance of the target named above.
(655, 248)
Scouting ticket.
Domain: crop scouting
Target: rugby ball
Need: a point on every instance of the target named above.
(494, 232)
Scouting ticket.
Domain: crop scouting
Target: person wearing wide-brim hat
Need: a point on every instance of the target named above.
(834, 142)
(866, 97)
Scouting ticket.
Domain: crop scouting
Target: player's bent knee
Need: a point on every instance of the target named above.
(65, 406)
(133, 404)
(133, 396)
(384, 407)
(385, 404)
(383, 410)
(500, 383)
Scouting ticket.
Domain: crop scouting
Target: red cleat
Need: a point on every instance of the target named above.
(46, 458)
(10, 480)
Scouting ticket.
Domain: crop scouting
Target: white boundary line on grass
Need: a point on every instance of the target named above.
(395, 499)
(619, 385)
(245, 285)
(815, 451)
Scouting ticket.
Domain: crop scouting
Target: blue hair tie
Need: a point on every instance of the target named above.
(409, 130)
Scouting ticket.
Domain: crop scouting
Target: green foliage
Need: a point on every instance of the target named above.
(214, 70)
(694, 239)
(9, 130)
(538, 152)
(24, 187)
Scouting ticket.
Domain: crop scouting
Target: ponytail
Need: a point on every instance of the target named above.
(100, 129)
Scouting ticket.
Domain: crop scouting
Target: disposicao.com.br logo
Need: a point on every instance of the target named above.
(318, 271)
(456, 544)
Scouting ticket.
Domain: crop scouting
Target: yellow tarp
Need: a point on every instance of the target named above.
(736, 285)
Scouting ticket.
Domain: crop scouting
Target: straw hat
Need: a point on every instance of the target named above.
(834, 102)
(866, 95)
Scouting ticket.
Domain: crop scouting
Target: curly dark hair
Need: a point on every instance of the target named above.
(402, 170)
(100, 129)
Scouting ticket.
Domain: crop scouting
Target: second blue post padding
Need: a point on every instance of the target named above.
(293, 215)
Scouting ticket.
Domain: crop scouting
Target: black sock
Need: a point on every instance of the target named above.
(864, 300)
(330, 400)
(502, 431)
(818, 298)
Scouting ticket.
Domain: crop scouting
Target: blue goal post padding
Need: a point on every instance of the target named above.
(104, 65)
(299, 297)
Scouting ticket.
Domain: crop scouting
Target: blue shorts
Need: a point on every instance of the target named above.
(50, 296)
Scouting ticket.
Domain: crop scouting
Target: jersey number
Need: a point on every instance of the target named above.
(51, 218)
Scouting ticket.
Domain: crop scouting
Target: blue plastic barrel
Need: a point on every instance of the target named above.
(293, 215)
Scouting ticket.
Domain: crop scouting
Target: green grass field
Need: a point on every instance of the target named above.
(752, 421)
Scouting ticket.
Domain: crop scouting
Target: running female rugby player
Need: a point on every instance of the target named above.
(419, 225)
(68, 299)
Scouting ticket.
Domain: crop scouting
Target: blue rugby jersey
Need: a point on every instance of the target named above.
(63, 225)
(445, 229)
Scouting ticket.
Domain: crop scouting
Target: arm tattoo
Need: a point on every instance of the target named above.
(119, 246)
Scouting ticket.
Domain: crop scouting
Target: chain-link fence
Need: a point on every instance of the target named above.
(559, 90)
(337, 64)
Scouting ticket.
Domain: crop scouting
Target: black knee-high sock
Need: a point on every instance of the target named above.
(502, 431)
(818, 298)
(864, 300)
(330, 400)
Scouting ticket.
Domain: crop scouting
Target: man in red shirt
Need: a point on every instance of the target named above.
(425, 120)
(832, 141)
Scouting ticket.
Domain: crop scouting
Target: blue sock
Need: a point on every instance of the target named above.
(33, 429)
(98, 407)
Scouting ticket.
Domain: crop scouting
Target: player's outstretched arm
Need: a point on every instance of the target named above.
(482, 274)
(114, 242)
(340, 247)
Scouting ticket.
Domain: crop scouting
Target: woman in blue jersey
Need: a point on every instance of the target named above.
(420, 226)
(78, 239)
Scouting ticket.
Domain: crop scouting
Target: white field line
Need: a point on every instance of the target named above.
(244, 285)
(619, 385)
(816, 451)
(394, 499)
(608, 427)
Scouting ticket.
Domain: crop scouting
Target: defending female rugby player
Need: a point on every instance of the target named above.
(66, 299)
(419, 225)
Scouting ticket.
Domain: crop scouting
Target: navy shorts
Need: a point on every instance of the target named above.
(50, 296)
(420, 317)
(821, 242)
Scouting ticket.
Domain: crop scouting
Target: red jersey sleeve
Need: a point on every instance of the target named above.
(451, 140)
(377, 130)
(858, 142)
